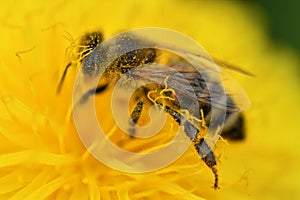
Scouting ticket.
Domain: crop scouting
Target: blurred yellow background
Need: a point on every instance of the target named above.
(40, 154)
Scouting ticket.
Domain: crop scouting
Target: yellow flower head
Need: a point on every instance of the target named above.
(41, 155)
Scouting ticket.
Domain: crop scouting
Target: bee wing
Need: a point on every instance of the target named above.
(206, 73)
(191, 84)
(232, 67)
(187, 49)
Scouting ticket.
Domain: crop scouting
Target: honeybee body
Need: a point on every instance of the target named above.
(190, 85)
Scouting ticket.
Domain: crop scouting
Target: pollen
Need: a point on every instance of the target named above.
(41, 154)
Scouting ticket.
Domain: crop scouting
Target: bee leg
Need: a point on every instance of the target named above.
(91, 92)
(201, 146)
(58, 89)
(209, 158)
(135, 115)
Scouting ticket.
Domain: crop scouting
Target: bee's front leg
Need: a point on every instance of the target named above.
(135, 116)
(62, 79)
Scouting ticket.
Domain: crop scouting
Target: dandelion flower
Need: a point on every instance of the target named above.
(41, 155)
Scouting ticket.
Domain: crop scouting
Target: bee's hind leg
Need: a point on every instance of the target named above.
(209, 158)
(201, 146)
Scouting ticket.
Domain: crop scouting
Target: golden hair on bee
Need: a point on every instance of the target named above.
(78, 50)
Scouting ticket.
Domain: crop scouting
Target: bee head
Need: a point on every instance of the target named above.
(89, 41)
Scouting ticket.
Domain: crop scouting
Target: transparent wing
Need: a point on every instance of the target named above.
(185, 47)
(191, 84)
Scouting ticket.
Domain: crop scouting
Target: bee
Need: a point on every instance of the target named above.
(160, 94)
